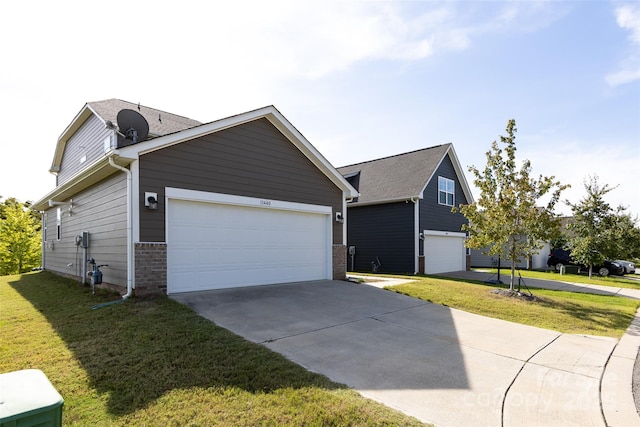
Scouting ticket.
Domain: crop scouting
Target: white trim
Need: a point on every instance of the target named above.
(228, 199)
(446, 192)
(384, 201)
(270, 113)
(253, 202)
(462, 179)
(444, 233)
(344, 223)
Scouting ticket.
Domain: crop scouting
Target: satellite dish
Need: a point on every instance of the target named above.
(132, 125)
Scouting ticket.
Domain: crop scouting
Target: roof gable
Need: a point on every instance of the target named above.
(270, 113)
(160, 122)
(174, 130)
(403, 176)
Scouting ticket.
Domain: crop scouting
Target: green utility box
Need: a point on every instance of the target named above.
(28, 399)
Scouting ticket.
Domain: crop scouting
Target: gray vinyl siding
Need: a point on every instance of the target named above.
(87, 141)
(102, 211)
(479, 259)
(253, 160)
(382, 231)
(434, 216)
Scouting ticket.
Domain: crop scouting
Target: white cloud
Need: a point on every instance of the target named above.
(572, 164)
(628, 18)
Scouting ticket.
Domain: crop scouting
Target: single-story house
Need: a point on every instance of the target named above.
(402, 220)
(537, 261)
(174, 205)
(479, 258)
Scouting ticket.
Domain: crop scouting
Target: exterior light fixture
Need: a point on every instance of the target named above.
(151, 200)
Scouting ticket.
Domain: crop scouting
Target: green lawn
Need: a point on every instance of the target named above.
(568, 312)
(155, 362)
(617, 281)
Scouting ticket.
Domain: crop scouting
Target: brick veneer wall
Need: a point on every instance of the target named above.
(151, 268)
(339, 262)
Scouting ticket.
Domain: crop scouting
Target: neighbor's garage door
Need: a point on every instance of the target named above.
(443, 252)
(214, 246)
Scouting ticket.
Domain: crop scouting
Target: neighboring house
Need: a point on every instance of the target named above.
(537, 261)
(245, 200)
(402, 220)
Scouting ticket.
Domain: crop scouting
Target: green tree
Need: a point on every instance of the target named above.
(597, 231)
(628, 237)
(19, 238)
(506, 218)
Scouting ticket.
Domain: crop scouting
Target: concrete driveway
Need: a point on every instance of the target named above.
(437, 364)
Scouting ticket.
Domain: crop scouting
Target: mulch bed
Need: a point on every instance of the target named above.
(516, 294)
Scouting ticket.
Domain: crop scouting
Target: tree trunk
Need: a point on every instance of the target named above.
(513, 276)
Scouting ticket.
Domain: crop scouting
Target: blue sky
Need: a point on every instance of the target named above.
(361, 80)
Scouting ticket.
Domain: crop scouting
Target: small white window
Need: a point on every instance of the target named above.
(446, 191)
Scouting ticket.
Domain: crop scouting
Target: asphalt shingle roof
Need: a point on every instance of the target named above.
(398, 177)
(160, 122)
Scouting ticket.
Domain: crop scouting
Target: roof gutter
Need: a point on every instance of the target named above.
(130, 259)
(405, 199)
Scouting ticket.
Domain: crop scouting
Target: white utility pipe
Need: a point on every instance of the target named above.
(130, 260)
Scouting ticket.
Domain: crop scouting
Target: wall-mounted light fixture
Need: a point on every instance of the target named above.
(339, 217)
(151, 200)
(421, 236)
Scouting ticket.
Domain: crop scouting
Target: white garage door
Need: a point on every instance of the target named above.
(444, 252)
(215, 246)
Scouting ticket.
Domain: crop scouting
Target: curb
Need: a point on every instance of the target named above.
(616, 390)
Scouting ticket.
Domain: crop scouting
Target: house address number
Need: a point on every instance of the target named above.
(265, 202)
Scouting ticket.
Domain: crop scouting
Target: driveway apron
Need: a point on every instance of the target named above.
(440, 365)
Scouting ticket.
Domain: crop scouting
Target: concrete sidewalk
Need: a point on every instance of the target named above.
(443, 366)
(616, 387)
(556, 285)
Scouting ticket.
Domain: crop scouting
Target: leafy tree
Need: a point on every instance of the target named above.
(505, 218)
(628, 237)
(19, 237)
(597, 231)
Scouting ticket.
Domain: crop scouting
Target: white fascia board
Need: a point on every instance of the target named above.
(385, 201)
(459, 173)
(287, 129)
(191, 133)
(461, 176)
(228, 199)
(433, 173)
(72, 128)
(92, 174)
(271, 114)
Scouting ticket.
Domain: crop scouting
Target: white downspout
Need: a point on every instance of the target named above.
(43, 249)
(130, 259)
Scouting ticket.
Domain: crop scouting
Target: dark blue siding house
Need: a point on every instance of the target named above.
(402, 220)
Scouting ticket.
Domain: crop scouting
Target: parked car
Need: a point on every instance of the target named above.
(629, 267)
(559, 257)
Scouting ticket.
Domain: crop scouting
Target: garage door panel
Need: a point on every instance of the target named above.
(444, 253)
(214, 246)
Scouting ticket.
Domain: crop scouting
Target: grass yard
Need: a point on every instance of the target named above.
(155, 362)
(617, 281)
(568, 312)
